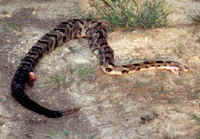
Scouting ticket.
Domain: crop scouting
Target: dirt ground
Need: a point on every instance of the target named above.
(146, 105)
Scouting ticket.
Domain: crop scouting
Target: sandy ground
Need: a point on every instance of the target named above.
(146, 105)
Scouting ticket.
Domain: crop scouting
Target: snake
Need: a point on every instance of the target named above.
(96, 33)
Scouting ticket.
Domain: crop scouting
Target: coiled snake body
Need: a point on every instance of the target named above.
(96, 32)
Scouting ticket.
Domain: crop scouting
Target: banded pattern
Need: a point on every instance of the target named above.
(96, 32)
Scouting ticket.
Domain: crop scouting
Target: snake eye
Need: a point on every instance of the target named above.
(138, 68)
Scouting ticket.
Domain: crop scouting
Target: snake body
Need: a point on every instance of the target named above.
(96, 33)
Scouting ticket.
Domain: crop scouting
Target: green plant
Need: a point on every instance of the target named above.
(153, 15)
(57, 80)
(196, 17)
(82, 72)
(196, 118)
(131, 14)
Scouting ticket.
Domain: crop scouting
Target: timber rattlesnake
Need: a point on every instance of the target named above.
(96, 32)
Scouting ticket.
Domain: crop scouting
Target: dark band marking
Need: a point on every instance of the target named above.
(108, 69)
(125, 71)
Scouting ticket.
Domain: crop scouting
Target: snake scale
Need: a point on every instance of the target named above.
(96, 33)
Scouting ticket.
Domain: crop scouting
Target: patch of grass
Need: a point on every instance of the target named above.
(130, 14)
(82, 72)
(58, 80)
(157, 90)
(67, 134)
(13, 26)
(3, 99)
(140, 84)
(92, 137)
(196, 118)
(179, 50)
(54, 137)
(61, 134)
(196, 17)
(171, 101)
